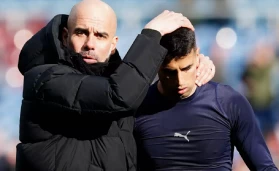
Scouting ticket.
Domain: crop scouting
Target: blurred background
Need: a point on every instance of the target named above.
(240, 36)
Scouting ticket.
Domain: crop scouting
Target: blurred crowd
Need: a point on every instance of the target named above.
(242, 39)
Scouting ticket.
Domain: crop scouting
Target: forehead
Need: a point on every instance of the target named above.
(180, 62)
(98, 21)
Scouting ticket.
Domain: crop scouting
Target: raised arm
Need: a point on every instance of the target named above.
(124, 90)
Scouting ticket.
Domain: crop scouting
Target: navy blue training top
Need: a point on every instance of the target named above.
(199, 132)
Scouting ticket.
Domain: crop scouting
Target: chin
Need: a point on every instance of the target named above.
(184, 96)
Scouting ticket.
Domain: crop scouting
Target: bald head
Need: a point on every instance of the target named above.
(93, 10)
(91, 31)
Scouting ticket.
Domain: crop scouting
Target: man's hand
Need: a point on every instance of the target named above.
(206, 70)
(169, 21)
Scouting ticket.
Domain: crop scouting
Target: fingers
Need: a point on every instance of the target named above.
(169, 21)
(182, 20)
(201, 64)
(166, 11)
(200, 73)
(205, 77)
(185, 22)
(206, 70)
(172, 13)
(211, 74)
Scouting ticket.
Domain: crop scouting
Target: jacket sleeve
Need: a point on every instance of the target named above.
(246, 135)
(124, 90)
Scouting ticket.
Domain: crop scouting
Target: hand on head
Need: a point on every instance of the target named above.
(169, 21)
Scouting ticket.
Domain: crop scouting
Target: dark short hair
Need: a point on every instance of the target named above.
(178, 43)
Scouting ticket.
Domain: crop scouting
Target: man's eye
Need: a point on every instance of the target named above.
(187, 68)
(100, 35)
(79, 32)
(169, 72)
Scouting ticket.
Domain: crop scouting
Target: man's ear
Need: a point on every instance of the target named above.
(114, 43)
(65, 35)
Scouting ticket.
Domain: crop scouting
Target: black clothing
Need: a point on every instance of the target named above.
(72, 117)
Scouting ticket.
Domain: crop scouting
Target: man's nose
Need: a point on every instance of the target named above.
(90, 43)
(180, 79)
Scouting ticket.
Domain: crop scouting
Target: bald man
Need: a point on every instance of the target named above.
(79, 97)
(100, 27)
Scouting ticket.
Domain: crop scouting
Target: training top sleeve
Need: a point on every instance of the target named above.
(246, 135)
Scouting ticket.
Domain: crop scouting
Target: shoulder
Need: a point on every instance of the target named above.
(227, 93)
(47, 70)
(209, 88)
(39, 75)
(232, 103)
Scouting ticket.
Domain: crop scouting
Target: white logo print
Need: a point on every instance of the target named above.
(183, 136)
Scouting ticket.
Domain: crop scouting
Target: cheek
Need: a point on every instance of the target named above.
(189, 77)
(76, 43)
(103, 47)
(193, 75)
(163, 78)
(167, 82)
(103, 50)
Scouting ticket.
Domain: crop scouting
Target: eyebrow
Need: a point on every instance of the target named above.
(81, 29)
(85, 30)
(185, 68)
(170, 71)
(103, 33)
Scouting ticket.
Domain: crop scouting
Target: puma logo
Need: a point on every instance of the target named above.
(182, 136)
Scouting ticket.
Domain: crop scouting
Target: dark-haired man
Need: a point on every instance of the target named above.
(181, 126)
